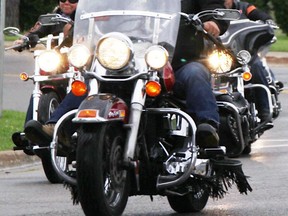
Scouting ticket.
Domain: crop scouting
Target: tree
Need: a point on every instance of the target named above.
(12, 13)
(30, 10)
(262, 4)
(277, 9)
(281, 14)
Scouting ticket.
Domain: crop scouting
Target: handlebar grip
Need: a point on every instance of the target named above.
(18, 47)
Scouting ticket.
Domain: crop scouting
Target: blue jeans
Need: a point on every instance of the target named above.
(69, 103)
(259, 74)
(193, 84)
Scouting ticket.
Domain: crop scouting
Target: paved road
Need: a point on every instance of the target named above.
(16, 93)
(26, 191)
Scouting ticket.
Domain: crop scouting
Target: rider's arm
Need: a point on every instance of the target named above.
(211, 5)
(34, 34)
(253, 13)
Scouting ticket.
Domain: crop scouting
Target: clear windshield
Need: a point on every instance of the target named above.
(152, 21)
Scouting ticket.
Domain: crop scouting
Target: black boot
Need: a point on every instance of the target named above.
(207, 136)
(38, 133)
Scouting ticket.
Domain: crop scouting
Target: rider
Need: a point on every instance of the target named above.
(66, 8)
(192, 80)
(257, 68)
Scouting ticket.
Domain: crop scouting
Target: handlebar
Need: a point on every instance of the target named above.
(219, 14)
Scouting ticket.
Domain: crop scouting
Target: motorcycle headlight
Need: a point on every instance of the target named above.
(114, 51)
(243, 57)
(220, 61)
(156, 57)
(49, 61)
(78, 55)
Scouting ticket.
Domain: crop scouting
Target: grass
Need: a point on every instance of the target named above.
(10, 38)
(282, 42)
(10, 122)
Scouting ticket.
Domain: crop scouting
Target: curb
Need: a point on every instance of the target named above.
(277, 60)
(11, 158)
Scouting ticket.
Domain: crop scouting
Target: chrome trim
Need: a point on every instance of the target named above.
(191, 144)
(126, 13)
(53, 150)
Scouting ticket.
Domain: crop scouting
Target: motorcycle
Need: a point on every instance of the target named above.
(256, 37)
(51, 83)
(131, 136)
(240, 125)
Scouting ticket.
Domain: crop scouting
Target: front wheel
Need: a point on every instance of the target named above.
(102, 182)
(48, 103)
(48, 168)
(192, 202)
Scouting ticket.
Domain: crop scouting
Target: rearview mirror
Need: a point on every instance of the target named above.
(48, 19)
(227, 14)
(11, 31)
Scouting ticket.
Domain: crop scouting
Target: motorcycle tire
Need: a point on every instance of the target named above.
(103, 184)
(247, 150)
(192, 202)
(48, 168)
(48, 103)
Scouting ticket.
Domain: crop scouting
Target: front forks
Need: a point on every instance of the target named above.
(137, 104)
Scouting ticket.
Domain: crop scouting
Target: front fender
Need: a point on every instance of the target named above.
(102, 108)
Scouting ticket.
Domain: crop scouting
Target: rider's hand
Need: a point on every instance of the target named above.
(212, 28)
(33, 40)
(18, 42)
(270, 22)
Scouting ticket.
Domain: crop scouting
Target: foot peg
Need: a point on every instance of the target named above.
(19, 140)
(212, 152)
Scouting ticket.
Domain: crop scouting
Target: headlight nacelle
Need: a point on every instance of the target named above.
(156, 57)
(220, 61)
(78, 55)
(49, 61)
(114, 51)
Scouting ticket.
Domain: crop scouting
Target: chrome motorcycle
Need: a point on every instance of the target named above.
(256, 37)
(131, 136)
(52, 79)
(240, 124)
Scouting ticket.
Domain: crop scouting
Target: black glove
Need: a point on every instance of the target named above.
(33, 40)
(270, 22)
(21, 47)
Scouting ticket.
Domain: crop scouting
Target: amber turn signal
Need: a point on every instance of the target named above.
(153, 88)
(246, 76)
(87, 113)
(79, 88)
(24, 76)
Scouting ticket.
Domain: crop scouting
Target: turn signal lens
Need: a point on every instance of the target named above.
(24, 76)
(79, 88)
(87, 113)
(153, 88)
(246, 76)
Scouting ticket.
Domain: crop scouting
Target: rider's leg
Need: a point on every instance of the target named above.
(259, 77)
(42, 134)
(193, 83)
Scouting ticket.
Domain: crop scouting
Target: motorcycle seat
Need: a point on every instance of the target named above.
(236, 99)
